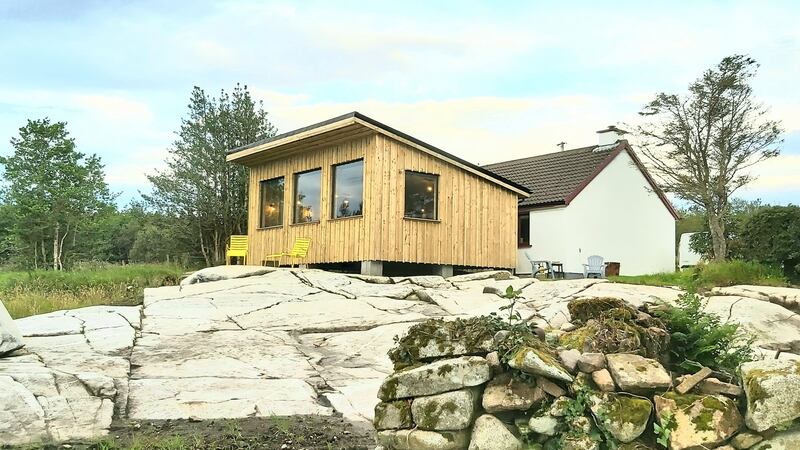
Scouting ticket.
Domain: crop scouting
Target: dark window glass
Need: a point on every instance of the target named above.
(271, 203)
(524, 233)
(348, 189)
(306, 196)
(421, 194)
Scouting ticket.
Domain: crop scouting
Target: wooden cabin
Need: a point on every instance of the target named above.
(366, 193)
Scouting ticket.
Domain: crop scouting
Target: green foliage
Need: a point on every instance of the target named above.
(206, 194)
(664, 427)
(706, 276)
(772, 235)
(701, 145)
(53, 192)
(38, 292)
(738, 212)
(702, 339)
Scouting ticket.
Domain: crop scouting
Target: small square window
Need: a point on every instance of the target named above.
(271, 203)
(422, 191)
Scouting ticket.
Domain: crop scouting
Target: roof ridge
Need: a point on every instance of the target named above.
(529, 158)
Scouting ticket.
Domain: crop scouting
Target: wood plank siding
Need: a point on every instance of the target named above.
(477, 219)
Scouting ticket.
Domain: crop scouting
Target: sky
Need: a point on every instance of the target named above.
(487, 81)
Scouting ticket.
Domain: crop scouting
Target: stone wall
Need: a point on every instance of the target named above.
(486, 383)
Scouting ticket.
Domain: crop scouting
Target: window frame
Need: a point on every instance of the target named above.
(281, 206)
(436, 177)
(295, 176)
(520, 242)
(333, 189)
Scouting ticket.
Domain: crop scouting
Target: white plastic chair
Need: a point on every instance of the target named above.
(538, 266)
(595, 266)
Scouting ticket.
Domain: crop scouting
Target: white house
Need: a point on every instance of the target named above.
(596, 200)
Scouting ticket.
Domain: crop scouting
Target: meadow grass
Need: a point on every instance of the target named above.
(706, 276)
(26, 293)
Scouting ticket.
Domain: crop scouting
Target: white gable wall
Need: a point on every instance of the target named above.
(616, 216)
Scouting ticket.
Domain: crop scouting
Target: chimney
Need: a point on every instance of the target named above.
(611, 135)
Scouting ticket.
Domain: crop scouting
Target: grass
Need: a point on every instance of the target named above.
(706, 276)
(38, 292)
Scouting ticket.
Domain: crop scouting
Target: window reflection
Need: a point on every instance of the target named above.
(307, 196)
(348, 189)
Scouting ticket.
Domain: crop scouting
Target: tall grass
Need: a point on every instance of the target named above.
(42, 291)
(713, 274)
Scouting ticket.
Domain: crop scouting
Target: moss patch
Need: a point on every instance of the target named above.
(584, 309)
(626, 409)
(444, 338)
(752, 381)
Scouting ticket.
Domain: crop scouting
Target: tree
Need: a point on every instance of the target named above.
(738, 213)
(701, 145)
(53, 189)
(199, 188)
(772, 236)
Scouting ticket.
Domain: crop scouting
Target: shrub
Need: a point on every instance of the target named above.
(698, 338)
(729, 273)
(772, 235)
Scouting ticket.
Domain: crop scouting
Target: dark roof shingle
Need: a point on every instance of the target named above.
(552, 177)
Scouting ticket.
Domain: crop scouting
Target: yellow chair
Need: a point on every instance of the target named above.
(299, 250)
(236, 247)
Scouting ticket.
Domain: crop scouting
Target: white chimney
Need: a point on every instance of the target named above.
(611, 135)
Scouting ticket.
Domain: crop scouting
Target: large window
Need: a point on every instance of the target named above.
(271, 203)
(306, 196)
(348, 189)
(422, 191)
(524, 232)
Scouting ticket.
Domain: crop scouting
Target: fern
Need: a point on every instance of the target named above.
(702, 339)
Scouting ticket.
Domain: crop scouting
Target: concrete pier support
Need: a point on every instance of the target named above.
(374, 268)
(444, 270)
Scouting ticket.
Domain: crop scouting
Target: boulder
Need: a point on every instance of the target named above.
(220, 273)
(489, 433)
(440, 376)
(10, 337)
(701, 421)
(787, 440)
(549, 387)
(772, 387)
(591, 362)
(393, 415)
(602, 378)
(569, 358)
(545, 424)
(714, 386)
(449, 411)
(635, 373)
(745, 440)
(624, 416)
(505, 393)
(419, 439)
(498, 275)
(539, 362)
(437, 338)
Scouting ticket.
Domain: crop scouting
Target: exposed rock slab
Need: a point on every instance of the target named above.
(220, 273)
(208, 398)
(10, 336)
(784, 296)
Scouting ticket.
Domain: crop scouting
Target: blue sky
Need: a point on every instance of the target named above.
(488, 81)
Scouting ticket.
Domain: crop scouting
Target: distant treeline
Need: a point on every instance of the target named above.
(56, 208)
